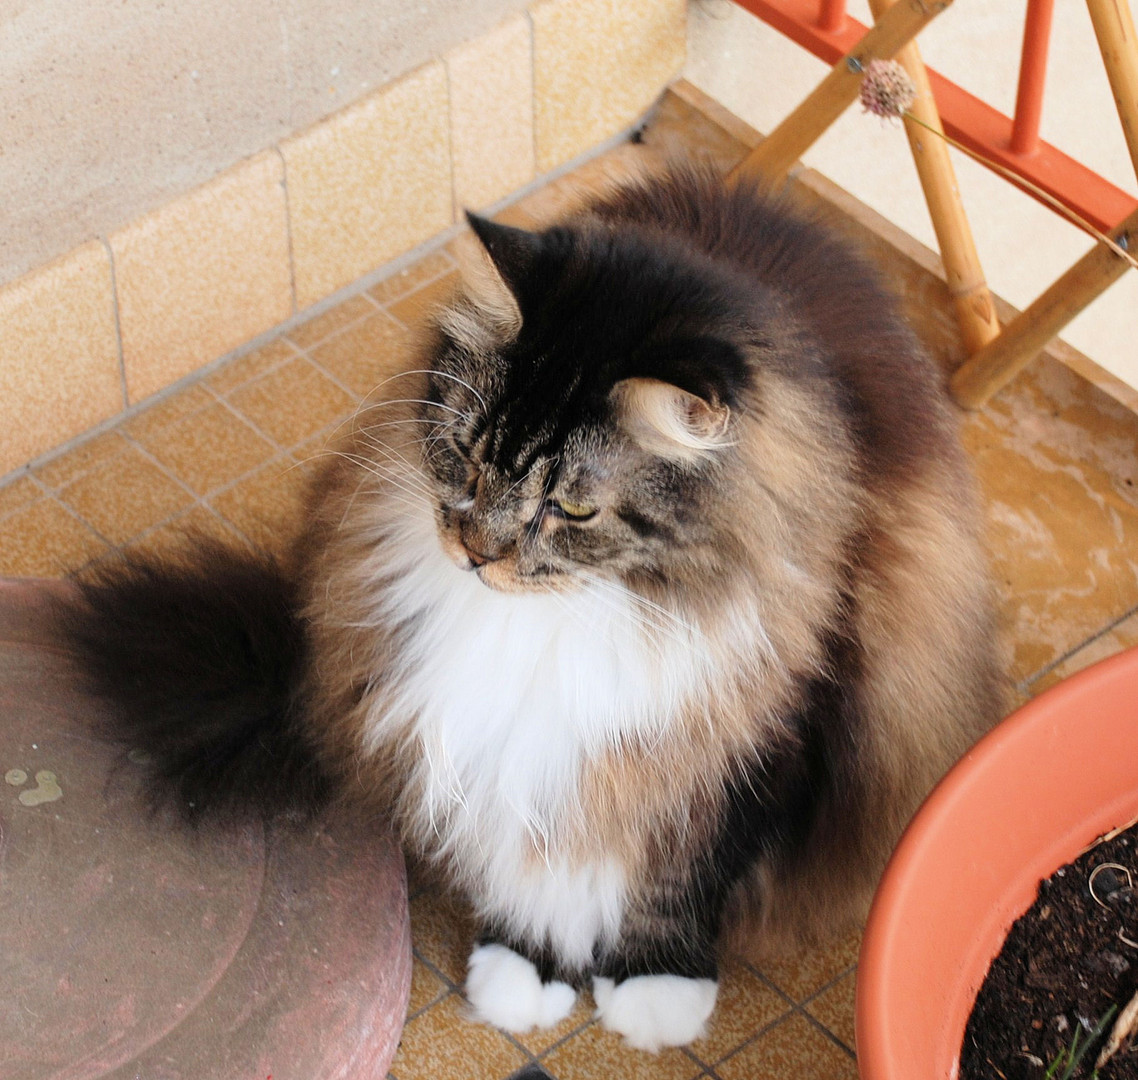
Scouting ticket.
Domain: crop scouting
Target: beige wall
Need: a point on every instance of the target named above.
(110, 109)
(156, 222)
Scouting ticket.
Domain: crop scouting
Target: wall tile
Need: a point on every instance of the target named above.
(599, 64)
(491, 114)
(59, 357)
(203, 275)
(369, 183)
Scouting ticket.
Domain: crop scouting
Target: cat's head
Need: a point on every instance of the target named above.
(580, 404)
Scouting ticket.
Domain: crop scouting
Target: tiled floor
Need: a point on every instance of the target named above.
(1057, 459)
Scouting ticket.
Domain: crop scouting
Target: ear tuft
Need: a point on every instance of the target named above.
(669, 421)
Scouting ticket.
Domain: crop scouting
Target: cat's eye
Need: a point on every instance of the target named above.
(574, 511)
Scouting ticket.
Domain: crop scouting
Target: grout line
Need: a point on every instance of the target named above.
(813, 996)
(418, 954)
(1025, 685)
(588, 1022)
(828, 1033)
(288, 205)
(118, 319)
(450, 142)
(528, 13)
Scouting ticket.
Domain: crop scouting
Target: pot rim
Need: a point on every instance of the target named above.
(1032, 793)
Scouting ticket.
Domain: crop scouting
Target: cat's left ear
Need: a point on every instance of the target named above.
(512, 251)
(669, 421)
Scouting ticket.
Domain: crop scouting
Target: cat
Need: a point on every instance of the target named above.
(650, 605)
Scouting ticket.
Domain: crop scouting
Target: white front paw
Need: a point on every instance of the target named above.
(654, 1011)
(505, 990)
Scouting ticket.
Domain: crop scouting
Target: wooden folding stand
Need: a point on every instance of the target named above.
(987, 371)
(995, 355)
(892, 36)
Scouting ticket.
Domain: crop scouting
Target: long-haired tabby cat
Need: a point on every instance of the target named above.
(650, 607)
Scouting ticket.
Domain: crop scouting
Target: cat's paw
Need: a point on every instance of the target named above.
(654, 1011)
(504, 989)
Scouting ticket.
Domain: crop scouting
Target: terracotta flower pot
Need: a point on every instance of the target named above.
(1024, 801)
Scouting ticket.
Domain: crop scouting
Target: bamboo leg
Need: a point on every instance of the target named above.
(1025, 336)
(772, 159)
(996, 364)
(975, 312)
(1114, 28)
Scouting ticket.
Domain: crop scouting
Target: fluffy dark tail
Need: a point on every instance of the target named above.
(198, 659)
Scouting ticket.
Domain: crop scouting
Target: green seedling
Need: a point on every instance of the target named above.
(1069, 1057)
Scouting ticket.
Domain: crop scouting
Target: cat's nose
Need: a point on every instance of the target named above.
(476, 557)
(472, 547)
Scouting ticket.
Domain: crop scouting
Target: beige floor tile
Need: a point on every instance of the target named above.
(745, 1005)
(834, 1008)
(540, 1040)
(442, 932)
(209, 449)
(125, 496)
(266, 505)
(1063, 523)
(234, 373)
(146, 424)
(804, 974)
(443, 1044)
(548, 204)
(598, 1054)
(426, 987)
(292, 403)
(366, 354)
(45, 540)
(336, 318)
(414, 309)
(429, 267)
(86, 456)
(18, 493)
(1122, 636)
(180, 533)
(795, 1048)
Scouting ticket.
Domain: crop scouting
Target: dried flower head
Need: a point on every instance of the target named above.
(886, 89)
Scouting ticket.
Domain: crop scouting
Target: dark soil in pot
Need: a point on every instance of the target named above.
(1068, 962)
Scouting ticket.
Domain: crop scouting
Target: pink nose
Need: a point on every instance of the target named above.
(476, 557)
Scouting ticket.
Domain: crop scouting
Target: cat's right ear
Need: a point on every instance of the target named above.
(670, 421)
(512, 251)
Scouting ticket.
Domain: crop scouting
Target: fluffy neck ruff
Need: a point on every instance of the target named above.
(506, 699)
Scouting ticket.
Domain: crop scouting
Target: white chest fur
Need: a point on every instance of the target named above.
(511, 696)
